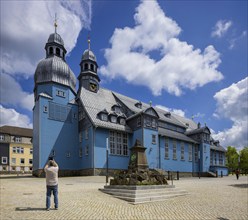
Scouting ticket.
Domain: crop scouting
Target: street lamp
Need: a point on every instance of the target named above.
(199, 157)
(107, 174)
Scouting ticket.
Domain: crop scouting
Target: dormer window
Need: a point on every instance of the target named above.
(113, 118)
(104, 117)
(167, 115)
(138, 104)
(122, 121)
(116, 108)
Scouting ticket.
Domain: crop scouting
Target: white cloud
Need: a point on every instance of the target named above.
(232, 103)
(173, 110)
(10, 117)
(180, 67)
(220, 28)
(26, 25)
(233, 41)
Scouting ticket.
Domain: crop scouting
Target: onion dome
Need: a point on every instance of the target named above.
(54, 67)
(88, 55)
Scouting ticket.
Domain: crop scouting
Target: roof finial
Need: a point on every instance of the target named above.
(55, 23)
(89, 41)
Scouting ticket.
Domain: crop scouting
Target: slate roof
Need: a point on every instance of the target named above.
(176, 135)
(130, 103)
(16, 131)
(97, 102)
(217, 148)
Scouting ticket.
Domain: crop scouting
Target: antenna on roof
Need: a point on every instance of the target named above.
(55, 23)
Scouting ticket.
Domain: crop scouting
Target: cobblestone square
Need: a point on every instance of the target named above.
(24, 197)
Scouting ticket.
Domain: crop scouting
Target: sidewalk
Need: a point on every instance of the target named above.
(24, 197)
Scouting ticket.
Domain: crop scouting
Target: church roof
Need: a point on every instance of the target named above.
(97, 102)
(55, 69)
(55, 37)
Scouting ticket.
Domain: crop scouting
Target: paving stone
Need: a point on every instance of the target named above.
(79, 198)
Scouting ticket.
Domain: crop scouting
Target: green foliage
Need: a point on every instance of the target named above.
(244, 160)
(232, 158)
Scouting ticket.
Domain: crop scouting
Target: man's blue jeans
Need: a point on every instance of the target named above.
(51, 189)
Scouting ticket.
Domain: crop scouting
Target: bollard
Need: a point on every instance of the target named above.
(168, 175)
(177, 175)
(221, 174)
(216, 173)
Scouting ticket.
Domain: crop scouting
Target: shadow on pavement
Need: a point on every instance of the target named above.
(240, 185)
(29, 209)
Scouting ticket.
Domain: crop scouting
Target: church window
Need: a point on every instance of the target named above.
(60, 93)
(45, 109)
(190, 152)
(50, 50)
(87, 150)
(166, 148)
(153, 139)
(196, 154)
(148, 121)
(153, 123)
(80, 136)
(86, 66)
(58, 51)
(174, 149)
(68, 154)
(118, 143)
(80, 152)
(182, 150)
(86, 134)
(92, 67)
(220, 159)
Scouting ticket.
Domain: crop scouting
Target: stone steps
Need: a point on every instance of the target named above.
(143, 194)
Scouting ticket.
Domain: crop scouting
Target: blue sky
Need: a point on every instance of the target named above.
(188, 57)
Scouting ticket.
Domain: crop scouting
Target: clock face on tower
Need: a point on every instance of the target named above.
(93, 87)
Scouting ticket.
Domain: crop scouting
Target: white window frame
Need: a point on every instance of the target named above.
(166, 148)
(190, 151)
(68, 154)
(154, 139)
(87, 150)
(13, 160)
(118, 143)
(18, 139)
(45, 108)
(2, 137)
(60, 93)
(174, 149)
(80, 136)
(80, 153)
(31, 151)
(86, 134)
(182, 150)
(4, 160)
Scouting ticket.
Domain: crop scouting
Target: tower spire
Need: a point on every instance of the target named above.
(89, 41)
(55, 23)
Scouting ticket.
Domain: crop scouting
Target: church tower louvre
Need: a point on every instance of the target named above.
(55, 113)
(88, 77)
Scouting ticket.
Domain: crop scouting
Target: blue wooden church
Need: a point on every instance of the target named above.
(76, 127)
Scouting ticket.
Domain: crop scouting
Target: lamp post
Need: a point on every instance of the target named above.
(107, 174)
(199, 157)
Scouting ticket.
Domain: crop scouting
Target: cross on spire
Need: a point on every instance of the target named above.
(89, 41)
(55, 23)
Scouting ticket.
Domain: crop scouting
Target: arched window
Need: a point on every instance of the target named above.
(86, 66)
(92, 67)
(50, 50)
(58, 51)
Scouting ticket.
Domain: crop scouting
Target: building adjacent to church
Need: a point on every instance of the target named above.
(77, 126)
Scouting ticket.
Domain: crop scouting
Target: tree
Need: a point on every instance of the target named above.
(244, 160)
(232, 158)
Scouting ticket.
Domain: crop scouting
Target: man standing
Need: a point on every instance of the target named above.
(51, 169)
